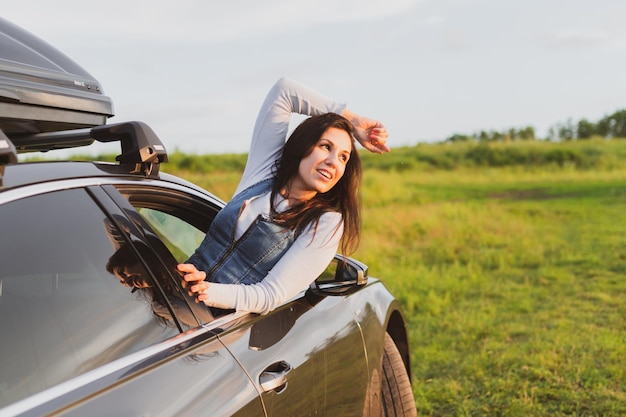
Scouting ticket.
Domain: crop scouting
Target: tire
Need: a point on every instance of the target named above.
(397, 392)
(373, 402)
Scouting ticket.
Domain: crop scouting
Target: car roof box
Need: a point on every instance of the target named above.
(42, 90)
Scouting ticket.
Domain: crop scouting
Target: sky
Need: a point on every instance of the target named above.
(197, 71)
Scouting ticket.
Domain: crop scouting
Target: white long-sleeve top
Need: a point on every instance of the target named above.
(312, 251)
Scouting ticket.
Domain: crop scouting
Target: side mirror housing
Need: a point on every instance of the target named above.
(342, 276)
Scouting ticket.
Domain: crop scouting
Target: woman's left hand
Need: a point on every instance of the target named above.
(375, 138)
(194, 281)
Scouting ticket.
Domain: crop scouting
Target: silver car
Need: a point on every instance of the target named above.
(94, 319)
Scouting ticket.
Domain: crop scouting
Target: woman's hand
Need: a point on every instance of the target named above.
(194, 281)
(371, 134)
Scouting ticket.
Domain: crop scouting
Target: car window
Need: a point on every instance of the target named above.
(174, 224)
(73, 295)
(192, 209)
(179, 219)
(180, 237)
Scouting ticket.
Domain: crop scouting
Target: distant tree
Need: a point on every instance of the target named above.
(603, 127)
(610, 126)
(613, 125)
(511, 134)
(566, 131)
(585, 129)
(527, 133)
(458, 138)
(618, 124)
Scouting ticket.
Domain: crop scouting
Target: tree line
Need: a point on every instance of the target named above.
(611, 126)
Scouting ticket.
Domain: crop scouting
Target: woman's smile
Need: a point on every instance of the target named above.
(325, 173)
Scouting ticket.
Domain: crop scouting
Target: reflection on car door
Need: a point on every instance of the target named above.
(195, 377)
(306, 357)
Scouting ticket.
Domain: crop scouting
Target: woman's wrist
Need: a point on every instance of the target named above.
(351, 116)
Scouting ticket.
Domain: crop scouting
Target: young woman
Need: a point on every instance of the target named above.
(296, 204)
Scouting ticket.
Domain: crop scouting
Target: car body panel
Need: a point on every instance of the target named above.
(328, 372)
(195, 363)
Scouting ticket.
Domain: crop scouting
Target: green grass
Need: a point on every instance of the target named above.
(509, 260)
(513, 282)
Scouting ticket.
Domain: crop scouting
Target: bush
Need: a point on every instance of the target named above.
(588, 154)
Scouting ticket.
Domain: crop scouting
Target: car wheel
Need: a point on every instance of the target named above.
(397, 392)
(373, 402)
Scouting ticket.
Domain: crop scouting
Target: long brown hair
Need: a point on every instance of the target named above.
(344, 197)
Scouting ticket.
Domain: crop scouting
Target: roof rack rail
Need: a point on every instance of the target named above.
(141, 147)
(47, 141)
(8, 154)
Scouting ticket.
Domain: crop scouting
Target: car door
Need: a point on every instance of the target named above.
(89, 328)
(306, 357)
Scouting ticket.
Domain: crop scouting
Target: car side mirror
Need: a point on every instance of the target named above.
(342, 276)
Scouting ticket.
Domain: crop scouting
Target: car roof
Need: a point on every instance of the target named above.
(27, 173)
(38, 172)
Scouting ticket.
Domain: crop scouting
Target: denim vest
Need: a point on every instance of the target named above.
(246, 260)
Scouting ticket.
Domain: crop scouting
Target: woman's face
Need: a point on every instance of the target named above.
(323, 167)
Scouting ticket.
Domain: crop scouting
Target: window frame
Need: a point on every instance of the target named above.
(194, 212)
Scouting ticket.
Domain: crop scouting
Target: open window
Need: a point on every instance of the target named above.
(180, 220)
(175, 224)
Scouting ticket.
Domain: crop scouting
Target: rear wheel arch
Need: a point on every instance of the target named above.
(396, 328)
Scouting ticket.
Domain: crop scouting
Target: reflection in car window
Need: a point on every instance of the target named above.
(63, 313)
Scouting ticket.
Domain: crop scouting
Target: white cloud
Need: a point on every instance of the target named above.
(578, 38)
(434, 20)
(193, 20)
(455, 40)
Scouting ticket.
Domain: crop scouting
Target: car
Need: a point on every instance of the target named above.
(95, 319)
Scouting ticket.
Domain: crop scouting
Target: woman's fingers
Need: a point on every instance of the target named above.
(198, 288)
(195, 276)
(198, 291)
(372, 135)
(201, 298)
(194, 279)
(190, 273)
(186, 268)
(378, 139)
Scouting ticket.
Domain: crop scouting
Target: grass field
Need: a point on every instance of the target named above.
(509, 260)
(513, 283)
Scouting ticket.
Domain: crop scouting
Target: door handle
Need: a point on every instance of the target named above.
(274, 377)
